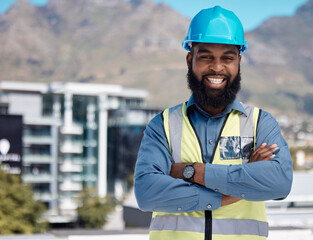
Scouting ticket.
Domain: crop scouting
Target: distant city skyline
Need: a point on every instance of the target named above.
(251, 13)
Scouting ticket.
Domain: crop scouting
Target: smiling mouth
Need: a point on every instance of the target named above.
(215, 80)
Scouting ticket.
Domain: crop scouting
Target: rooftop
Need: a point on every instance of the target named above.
(91, 89)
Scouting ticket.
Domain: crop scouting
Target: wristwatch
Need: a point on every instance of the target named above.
(189, 172)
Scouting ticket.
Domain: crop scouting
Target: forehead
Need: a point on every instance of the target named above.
(215, 48)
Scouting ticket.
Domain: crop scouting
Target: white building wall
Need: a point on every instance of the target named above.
(29, 104)
(103, 139)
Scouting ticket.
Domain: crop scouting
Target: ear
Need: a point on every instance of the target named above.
(239, 58)
(189, 59)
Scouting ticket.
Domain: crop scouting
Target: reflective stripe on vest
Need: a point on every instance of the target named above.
(219, 226)
(244, 220)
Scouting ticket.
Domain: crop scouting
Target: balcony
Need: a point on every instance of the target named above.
(73, 177)
(73, 129)
(37, 140)
(71, 147)
(38, 178)
(74, 160)
(91, 178)
(44, 121)
(77, 160)
(43, 196)
(37, 158)
(89, 161)
(77, 178)
(68, 166)
(68, 185)
(68, 204)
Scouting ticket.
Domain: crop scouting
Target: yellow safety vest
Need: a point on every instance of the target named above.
(244, 220)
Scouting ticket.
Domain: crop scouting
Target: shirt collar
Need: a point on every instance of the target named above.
(235, 105)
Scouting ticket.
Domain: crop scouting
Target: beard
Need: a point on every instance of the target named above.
(207, 97)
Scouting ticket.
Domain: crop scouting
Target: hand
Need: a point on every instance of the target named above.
(229, 200)
(263, 153)
(177, 170)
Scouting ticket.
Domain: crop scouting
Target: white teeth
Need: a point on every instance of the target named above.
(215, 80)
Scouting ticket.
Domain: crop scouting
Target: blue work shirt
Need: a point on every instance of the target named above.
(258, 181)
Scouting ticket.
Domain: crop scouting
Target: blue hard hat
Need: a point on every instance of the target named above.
(216, 25)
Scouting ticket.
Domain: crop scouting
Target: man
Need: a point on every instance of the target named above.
(206, 166)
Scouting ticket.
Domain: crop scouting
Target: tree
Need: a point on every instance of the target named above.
(19, 213)
(94, 210)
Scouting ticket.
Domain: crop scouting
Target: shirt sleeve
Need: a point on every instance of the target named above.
(258, 181)
(155, 190)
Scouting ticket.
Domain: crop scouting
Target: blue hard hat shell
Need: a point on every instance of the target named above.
(216, 25)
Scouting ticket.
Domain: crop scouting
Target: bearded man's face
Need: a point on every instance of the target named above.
(214, 74)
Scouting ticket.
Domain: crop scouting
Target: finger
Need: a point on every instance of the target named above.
(270, 149)
(262, 146)
(270, 157)
(264, 153)
(265, 146)
(257, 158)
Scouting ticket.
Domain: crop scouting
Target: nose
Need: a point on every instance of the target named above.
(216, 65)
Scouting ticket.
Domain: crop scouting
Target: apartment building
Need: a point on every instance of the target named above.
(76, 135)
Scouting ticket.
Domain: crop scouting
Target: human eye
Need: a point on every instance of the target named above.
(204, 57)
(228, 58)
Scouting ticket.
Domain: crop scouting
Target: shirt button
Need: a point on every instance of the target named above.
(179, 209)
(216, 190)
(211, 142)
(209, 206)
(242, 195)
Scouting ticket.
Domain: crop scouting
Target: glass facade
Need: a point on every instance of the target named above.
(123, 144)
(76, 136)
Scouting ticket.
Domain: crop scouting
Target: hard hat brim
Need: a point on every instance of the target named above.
(243, 46)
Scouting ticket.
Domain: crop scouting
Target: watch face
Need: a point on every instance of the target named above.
(189, 171)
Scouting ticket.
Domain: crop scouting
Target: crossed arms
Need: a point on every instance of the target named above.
(263, 153)
(265, 177)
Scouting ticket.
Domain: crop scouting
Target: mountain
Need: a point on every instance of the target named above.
(280, 57)
(138, 44)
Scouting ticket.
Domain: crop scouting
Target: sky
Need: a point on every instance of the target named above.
(251, 12)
